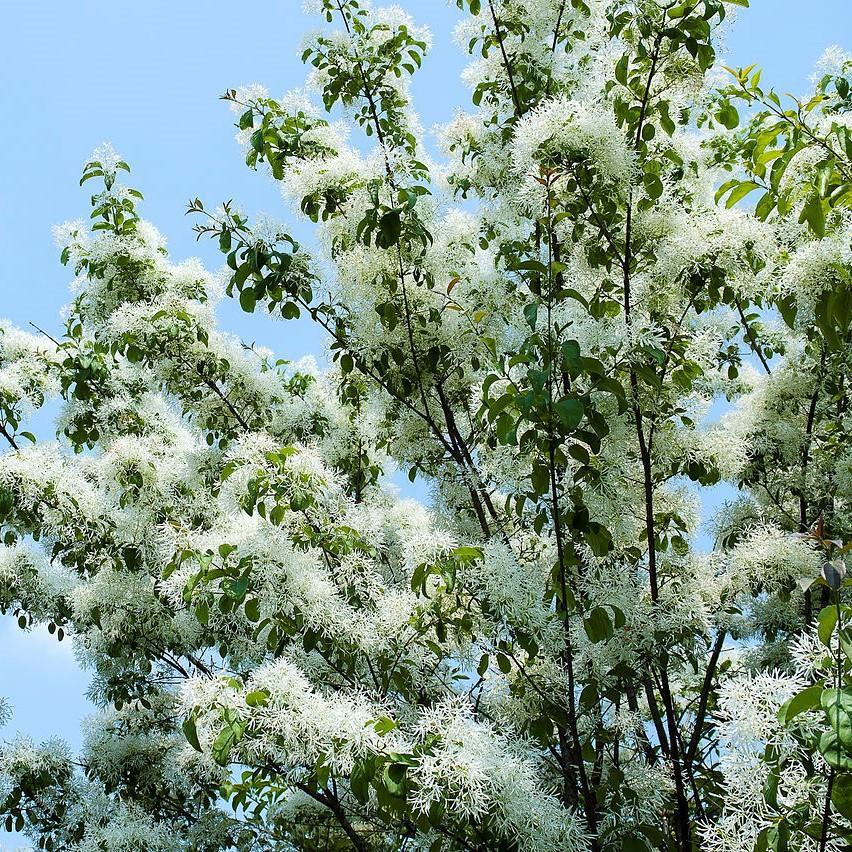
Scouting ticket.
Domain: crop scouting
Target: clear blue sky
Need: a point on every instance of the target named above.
(146, 77)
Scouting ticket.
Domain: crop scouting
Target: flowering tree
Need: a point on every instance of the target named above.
(287, 654)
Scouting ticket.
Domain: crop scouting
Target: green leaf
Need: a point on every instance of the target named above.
(837, 705)
(257, 698)
(530, 266)
(389, 230)
(383, 725)
(248, 300)
(230, 735)
(599, 538)
(725, 187)
(764, 206)
(598, 626)
(788, 308)
(393, 778)
(634, 844)
(191, 733)
(359, 779)
(236, 589)
(778, 837)
(807, 699)
(826, 621)
(418, 578)
(570, 412)
(813, 214)
(653, 185)
(728, 116)
(832, 750)
(483, 665)
(253, 609)
(467, 554)
(741, 191)
(846, 643)
(841, 795)
(572, 358)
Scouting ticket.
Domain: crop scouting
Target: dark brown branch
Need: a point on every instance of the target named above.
(498, 32)
(221, 394)
(683, 827)
(701, 712)
(42, 331)
(4, 432)
(333, 804)
(752, 339)
(806, 455)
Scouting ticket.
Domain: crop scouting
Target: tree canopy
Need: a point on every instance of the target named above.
(289, 655)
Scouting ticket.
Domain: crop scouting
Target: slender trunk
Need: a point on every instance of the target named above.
(804, 522)
(752, 339)
(682, 818)
(590, 803)
(589, 798)
(683, 822)
(706, 688)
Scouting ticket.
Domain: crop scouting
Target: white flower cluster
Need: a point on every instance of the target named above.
(220, 538)
(749, 705)
(561, 132)
(833, 60)
(812, 268)
(27, 369)
(477, 771)
(516, 592)
(296, 724)
(29, 580)
(769, 559)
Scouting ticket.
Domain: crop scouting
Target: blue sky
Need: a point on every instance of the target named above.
(146, 77)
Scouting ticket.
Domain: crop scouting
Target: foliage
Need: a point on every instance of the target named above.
(287, 654)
